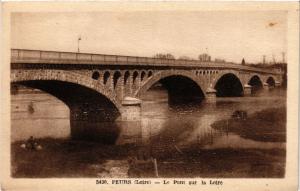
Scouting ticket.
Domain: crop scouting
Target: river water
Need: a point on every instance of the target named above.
(38, 114)
(186, 125)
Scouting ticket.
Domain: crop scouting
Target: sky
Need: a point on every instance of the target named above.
(229, 35)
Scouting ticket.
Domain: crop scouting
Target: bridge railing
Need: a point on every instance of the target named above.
(37, 56)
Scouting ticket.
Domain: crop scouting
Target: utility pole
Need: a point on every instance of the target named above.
(79, 39)
(264, 59)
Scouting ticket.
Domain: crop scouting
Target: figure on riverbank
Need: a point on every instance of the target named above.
(31, 144)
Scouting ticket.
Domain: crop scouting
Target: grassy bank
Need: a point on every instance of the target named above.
(268, 125)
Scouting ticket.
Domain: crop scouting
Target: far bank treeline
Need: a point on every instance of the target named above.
(202, 57)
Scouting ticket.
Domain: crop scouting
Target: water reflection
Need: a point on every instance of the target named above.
(189, 125)
(160, 125)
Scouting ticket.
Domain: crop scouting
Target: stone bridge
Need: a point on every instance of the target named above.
(110, 88)
(122, 80)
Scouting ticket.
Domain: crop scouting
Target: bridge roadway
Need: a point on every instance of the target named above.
(53, 57)
(121, 81)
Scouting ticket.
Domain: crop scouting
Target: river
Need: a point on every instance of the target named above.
(40, 115)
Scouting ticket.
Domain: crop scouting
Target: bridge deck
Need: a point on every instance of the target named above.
(53, 57)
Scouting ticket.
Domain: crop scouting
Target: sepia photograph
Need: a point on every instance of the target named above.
(134, 96)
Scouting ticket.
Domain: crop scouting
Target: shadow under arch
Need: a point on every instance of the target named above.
(255, 83)
(271, 81)
(229, 85)
(89, 109)
(181, 88)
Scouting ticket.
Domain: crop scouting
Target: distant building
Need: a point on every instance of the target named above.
(204, 58)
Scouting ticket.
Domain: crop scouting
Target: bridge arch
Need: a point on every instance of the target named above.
(126, 77)
(270, 81)
(135, 77)
(68, 77)
(116, 79)
(255, 82)
(171, 75)
(106, 77)
(96, 75)
(143, 74)
(228, 84)
(150, 73)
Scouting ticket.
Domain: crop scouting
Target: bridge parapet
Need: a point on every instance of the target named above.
(52, 57)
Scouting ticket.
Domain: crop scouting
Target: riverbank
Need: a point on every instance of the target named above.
(268, 125)
(67, 158)
(218, 163)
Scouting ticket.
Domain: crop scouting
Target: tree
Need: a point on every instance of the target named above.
(164, 56)
(204, 57)
(243, 62)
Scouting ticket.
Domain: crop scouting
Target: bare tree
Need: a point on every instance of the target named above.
(164, 56)
(204, 57)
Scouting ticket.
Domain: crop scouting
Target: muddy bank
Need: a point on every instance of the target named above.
(66, 158)
(218, 163)
(268, 125)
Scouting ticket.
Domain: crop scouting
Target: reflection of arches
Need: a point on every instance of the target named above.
(106, 77)
(229, 85)
(116, 77)
(150, 74)
(271, 81)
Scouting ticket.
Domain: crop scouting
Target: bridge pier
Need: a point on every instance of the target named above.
(131, 131)
(131, 109)
(247, 89)
(211, 95)
(277, 84)
(266, 86)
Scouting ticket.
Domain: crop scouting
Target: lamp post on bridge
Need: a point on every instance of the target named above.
(79, 39)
